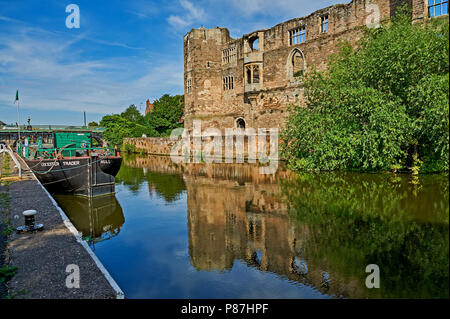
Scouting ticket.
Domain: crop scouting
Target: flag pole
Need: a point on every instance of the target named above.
(18, 118)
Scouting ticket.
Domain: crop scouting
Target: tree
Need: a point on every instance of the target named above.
(93, 124)
(166, 114)
(132, 114)
(130, 123)
(384, 104)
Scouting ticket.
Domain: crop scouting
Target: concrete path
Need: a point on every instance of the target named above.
(42, 257)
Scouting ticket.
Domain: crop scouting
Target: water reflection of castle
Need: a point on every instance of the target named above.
(235, 213)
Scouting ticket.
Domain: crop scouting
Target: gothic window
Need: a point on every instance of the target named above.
(437, 8)
(297, 36)
(297, 64)
(324, 24)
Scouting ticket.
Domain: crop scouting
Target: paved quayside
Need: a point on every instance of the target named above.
(42, 257)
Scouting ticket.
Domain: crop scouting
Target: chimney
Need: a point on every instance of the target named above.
(149, 107)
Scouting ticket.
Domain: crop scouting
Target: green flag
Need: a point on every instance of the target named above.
(17, 96)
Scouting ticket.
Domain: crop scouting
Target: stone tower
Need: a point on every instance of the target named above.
(203, 76)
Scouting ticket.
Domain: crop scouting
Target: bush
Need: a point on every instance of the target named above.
(377, 106)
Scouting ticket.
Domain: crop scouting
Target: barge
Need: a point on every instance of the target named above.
(71, 164)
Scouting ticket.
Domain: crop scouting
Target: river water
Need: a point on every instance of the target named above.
(226, 231)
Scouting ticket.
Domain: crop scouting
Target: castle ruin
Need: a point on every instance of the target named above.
(250, 81)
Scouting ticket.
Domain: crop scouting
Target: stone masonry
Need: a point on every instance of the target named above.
(250, 81)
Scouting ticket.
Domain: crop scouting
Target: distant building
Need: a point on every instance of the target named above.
(149, 107)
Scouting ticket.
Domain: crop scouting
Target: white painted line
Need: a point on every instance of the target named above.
(74, 231)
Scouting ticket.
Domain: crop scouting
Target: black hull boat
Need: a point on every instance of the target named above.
(71, 165)
(88, 176)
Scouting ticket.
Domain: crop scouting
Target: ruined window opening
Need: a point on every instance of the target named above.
(437, 8)
(297, 65)
(254, 43)
(189, 86)
(324, 24)
(298, 35)
(240, 123)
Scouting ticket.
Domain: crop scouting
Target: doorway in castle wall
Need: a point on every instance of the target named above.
(240, 123)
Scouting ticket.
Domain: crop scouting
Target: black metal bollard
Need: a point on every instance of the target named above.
(30, 224)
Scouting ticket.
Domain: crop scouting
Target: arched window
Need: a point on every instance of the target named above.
(240, 123)
(296, 65)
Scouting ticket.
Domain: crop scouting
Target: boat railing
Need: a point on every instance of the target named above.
(52, 153)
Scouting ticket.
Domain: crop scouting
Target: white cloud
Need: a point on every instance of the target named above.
(190, 16)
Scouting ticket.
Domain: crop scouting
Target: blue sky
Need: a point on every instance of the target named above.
(124, 52)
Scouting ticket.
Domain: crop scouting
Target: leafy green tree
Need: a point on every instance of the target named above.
(131, 123)
(93, 124)
(166, 114)
(379, 105)
(132, 114)
(116, 128)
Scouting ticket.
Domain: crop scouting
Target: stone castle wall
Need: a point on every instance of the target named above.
(232, 82)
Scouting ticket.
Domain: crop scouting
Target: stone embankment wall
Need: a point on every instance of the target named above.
(205, 145)
(151, 145)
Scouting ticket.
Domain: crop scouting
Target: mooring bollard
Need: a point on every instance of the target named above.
(30, 224)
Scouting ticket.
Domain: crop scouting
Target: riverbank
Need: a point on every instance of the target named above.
(42, 258)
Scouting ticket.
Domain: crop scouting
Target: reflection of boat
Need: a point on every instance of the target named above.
(97, 218)
(72, 165)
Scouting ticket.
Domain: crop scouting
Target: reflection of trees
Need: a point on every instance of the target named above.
(166, 185)
(131, 177)
(169, 186)
(357, 219)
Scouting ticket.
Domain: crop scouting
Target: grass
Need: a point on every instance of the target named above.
(8, 230)
(19, 293)
(6, 165)
(7, 272)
